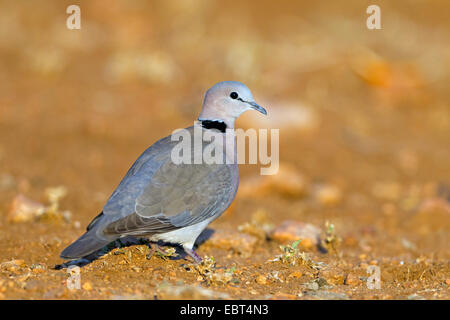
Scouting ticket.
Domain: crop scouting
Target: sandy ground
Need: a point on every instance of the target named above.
(364, 134)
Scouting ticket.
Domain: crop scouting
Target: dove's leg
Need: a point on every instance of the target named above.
(193, 255)
(156, 248)
(151, 252)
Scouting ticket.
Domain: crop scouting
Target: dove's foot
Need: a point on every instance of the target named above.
(156, 248)
(193, 255)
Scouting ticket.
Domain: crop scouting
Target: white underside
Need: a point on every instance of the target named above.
(185, 236)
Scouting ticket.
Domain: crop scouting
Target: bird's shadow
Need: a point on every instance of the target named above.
(131, 241)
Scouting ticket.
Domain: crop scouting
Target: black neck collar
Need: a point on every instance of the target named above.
(214, 124)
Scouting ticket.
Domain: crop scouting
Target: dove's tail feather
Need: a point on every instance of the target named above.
(88, 243)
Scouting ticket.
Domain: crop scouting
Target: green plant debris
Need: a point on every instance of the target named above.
(308, 262)
(207, 271)
(207, 266)
(290, 252)
(331, 241)
(292, 255)
(165, 254)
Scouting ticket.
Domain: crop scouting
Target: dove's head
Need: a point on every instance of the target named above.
(226, 101)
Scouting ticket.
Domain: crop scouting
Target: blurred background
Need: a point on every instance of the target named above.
(364, 115)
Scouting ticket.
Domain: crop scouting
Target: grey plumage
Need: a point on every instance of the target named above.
(165, 201)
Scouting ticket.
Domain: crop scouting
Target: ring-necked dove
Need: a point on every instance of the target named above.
(162, 200)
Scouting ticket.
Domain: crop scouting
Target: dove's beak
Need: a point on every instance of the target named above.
(257, 107)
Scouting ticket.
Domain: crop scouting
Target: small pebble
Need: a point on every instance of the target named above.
(261, 280)
(24, 209)
(87, 286)
(296, 274)
(290, 231)
(231, 240)
(352, 279)
(336, 277)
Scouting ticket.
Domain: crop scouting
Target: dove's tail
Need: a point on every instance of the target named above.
(88, 243)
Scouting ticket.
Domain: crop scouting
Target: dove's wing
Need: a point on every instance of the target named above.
(178, 196)
(158, 195)
(123, 200)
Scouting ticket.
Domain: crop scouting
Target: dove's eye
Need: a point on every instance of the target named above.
(234, 95)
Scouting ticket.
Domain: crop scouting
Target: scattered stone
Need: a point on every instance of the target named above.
(316, 284)
(241, 243)
(335, 276)
(290, 231)
(352, 279)
(296, 274)
(13, 265)
(261, 280)
(312, 285)
(24, 209)
(38, 268)
(52, 212)
(275, 275)
(87, 286)
(222, 276)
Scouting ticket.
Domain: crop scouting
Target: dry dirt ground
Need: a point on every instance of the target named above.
(364, 119)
